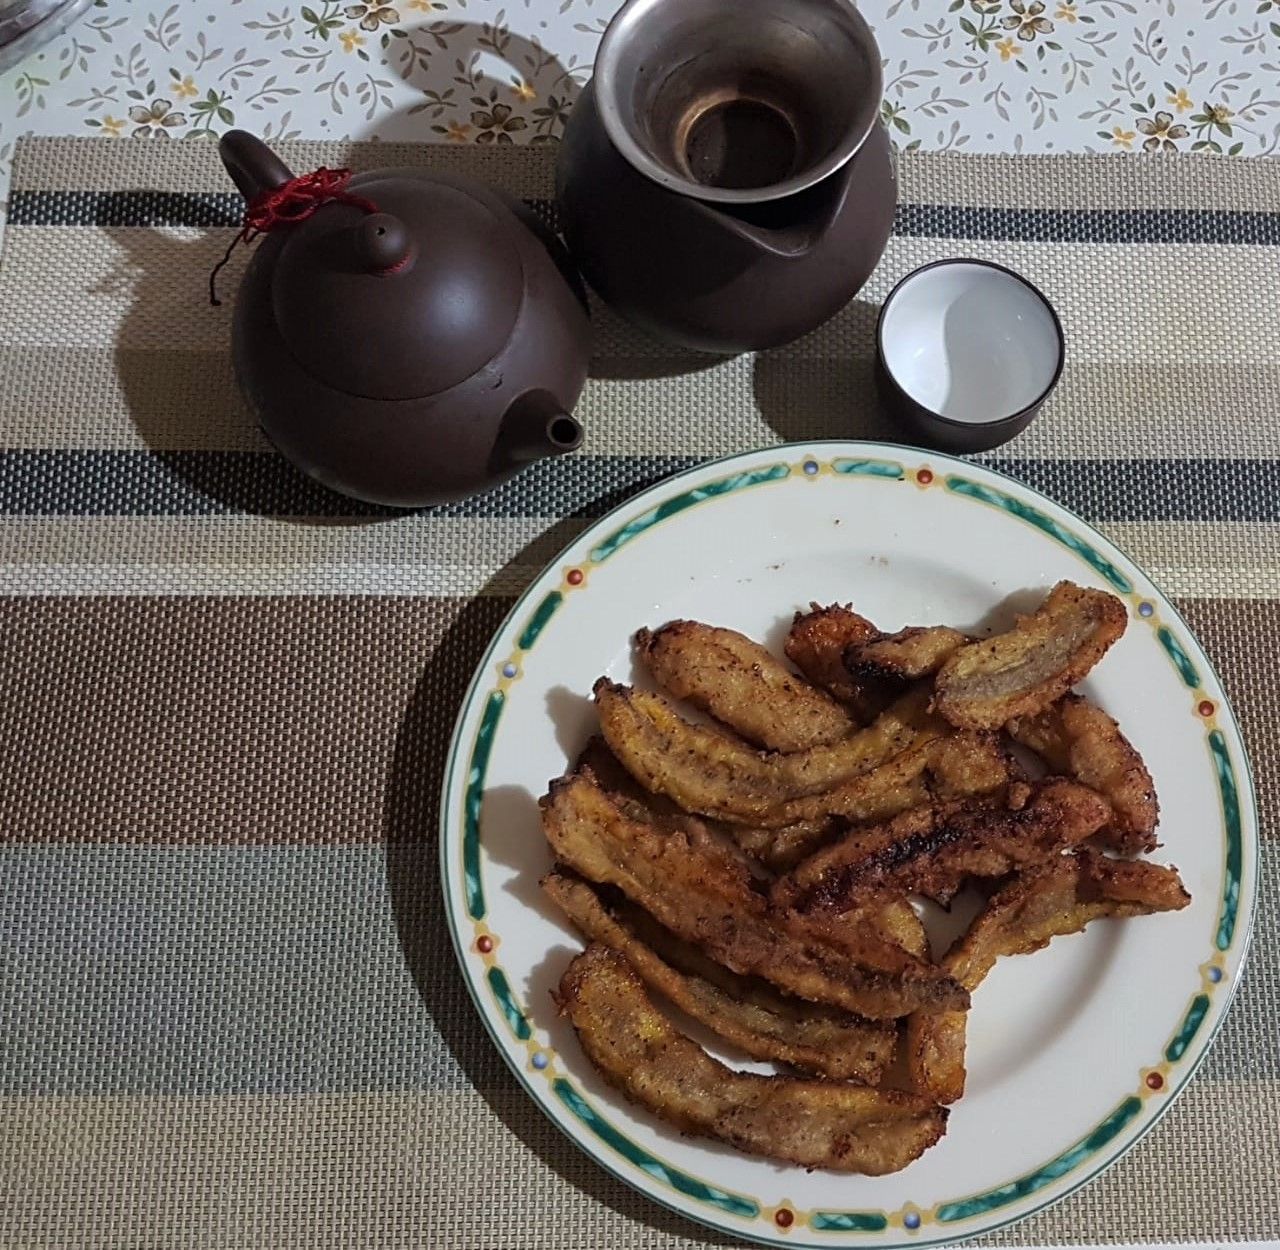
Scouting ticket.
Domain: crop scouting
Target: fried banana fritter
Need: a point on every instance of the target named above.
(704, 896)
(816, 645)
(934, 850)
(889, 915)
(959, 765)
(986, 684)
(743, 686)
(713, 774)
(815, 1123)
(969, 764)
(1078, 739)
(1059, 898)
(908, 655)
(760, 1022)
(755, 871)
(774, 850)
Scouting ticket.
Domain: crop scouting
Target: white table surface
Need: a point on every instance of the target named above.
(982, 75)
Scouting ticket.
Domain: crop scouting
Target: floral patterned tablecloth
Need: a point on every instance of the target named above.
(979, 75)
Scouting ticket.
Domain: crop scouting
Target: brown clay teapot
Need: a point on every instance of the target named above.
(414, 340)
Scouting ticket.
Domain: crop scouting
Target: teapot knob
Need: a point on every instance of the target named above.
(383, 243)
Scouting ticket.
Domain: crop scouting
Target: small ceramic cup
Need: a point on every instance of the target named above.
(966, 352)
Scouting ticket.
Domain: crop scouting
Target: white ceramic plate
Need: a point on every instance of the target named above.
(1075, 1052)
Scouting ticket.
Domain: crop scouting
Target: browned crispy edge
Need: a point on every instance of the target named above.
(816, 645)
(810, 1122)
(934, 850)
(756, 1020)
(1055, 900)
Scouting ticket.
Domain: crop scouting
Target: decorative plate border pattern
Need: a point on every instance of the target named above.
(1154, 1082)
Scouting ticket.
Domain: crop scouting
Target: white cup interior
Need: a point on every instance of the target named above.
(970, 342)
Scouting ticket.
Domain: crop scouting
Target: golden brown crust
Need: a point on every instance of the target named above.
(814, 1123)
(762, 1023)
(1061, 897)
(933, 850)
(816, 645)
(986, 684)
(911, 653)
(774, 850)
(782, 849)
(959, 765)
(970, 764)
(1078, 739)
(742, 685)
(705, 897)
(714, 774)
(889, 915)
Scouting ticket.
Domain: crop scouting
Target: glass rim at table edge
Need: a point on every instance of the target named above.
(816, 450)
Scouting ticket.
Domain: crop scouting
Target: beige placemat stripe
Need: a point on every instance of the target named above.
(168, 398)
(449, 1171)
(1204, 559)
(136, 288)
(416, 556)
(251, 555)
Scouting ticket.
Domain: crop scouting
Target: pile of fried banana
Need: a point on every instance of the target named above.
(756, 869)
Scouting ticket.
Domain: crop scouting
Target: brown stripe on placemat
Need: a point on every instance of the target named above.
(317, 720)
(228, 720)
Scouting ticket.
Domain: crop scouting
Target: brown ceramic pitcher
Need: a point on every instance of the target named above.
(725, 180)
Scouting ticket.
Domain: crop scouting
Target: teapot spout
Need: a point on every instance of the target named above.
(534, 426)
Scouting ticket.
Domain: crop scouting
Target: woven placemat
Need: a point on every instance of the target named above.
(229, 1015)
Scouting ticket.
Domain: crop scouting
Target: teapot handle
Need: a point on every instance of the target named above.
(253, 166)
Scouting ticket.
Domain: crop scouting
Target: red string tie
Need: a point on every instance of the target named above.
(287, 205)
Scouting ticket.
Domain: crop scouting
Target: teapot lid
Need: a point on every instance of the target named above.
(402, 303)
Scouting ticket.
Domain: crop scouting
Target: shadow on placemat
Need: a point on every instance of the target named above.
(413, 875)
(488, 99)
(184, 401)
(827, 391)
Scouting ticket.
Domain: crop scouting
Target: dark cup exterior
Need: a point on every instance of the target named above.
(932, 429)
(942, 433)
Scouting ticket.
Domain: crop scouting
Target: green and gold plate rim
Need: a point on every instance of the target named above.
(783, 1225)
